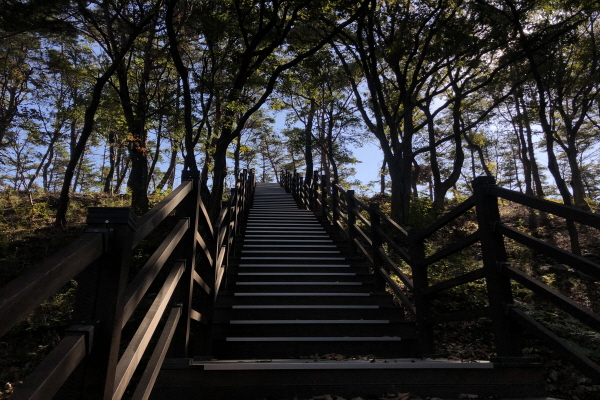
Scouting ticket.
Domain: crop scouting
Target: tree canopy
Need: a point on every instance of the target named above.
(114, 96)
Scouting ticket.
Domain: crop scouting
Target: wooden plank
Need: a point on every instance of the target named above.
(403, 277)
(198, 279)
(446, 218)
(341, 228)
(363, 219)
(399, 250)
(392, 223)
(196, 316)
(204, 248)
(563, 302)
(457, 281)
(22, 295)
(365, 252)
(144, 388)
(555, 343)
(397, 291)
(206, 218)
(579, 263)
(358, 202)
(453, 248)
(136, 347)
(45, 381)
(362, 234)
(136, 290)
(461, 315)
(339, 188)
(159, 212)
(561, 210)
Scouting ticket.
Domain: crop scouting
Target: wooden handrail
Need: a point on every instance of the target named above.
(159, 212)
(579, 263)
(447, 218)
(96, 249)
(345, 211)
(569, 212)
(137, 288)
(21, 296)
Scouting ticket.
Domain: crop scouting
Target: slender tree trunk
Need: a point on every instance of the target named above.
(308, 157)
(111, 169)
(79, 165)
(170, 171)
(88, 125)
(122, 175)
(523, 149)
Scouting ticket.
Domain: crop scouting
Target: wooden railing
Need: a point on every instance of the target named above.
(90, 357)
(384, 244)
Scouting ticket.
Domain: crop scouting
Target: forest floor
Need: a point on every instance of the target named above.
(27, 236)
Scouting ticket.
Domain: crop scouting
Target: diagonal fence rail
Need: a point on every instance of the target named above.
(93, 353)
(384, 244)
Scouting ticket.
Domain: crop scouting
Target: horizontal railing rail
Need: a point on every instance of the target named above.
(107, 299)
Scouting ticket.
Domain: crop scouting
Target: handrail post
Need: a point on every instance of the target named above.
(335, 203)
(294, 186)
(314, 191)
(100, 296)
(494, 256)
(376, 245)
(421, 282)
(188, 208)
(324, 185)
(351, 219)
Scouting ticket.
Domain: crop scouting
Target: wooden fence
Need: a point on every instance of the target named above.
(91, 356)
(380, 240)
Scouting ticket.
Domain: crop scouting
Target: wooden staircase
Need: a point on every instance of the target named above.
(297, 293)
(301, 316)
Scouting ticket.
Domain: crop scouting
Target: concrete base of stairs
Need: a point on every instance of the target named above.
(369, 379)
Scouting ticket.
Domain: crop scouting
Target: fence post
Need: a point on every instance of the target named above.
(315, 191)
(335, 203)
(376, 245)
(324, 186)
(188, 208)
(351, 219)
(100, 297)
(506, 336)
(421, 283)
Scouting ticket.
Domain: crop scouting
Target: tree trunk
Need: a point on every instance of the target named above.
(88, 122)
(111, 169)
(308, 158)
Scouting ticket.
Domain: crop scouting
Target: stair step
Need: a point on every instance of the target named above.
(306, 321)
(305, 312)
(354, 299)
(366, 378)
(303, 346)
(302, 294)
(314, 339)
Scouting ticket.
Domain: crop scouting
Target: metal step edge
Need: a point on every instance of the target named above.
(301, 306)
(316, 339)
(294, 258)
(297, 274)
(343, 364)
(299, 283)
(290, 252)
(294, 266)
(306, 321)
(318, 246)
(300, 294)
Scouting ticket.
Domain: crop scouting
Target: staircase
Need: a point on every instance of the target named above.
(301, 316)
